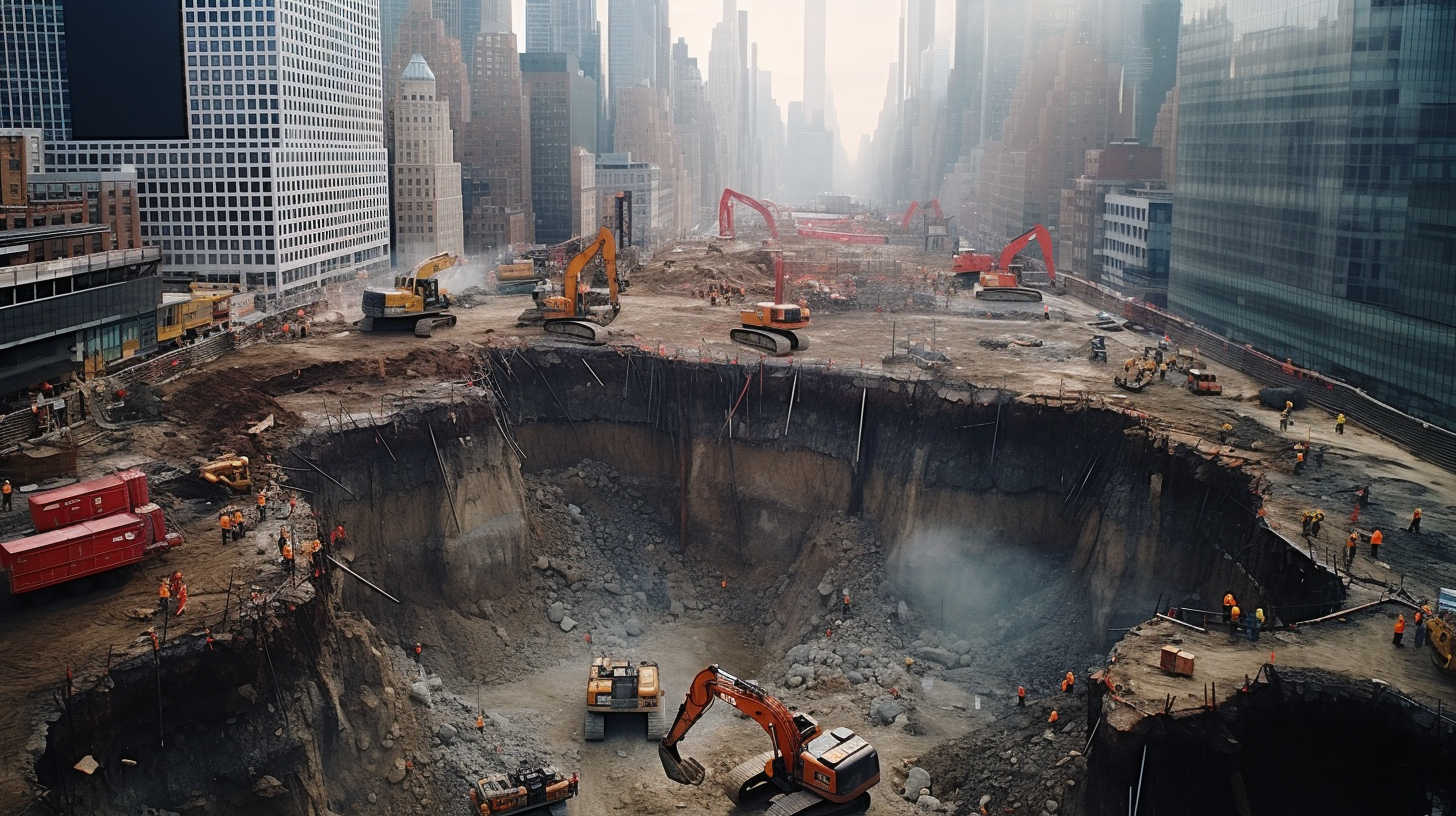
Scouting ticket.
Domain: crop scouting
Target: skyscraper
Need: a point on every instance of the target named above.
(1159, 69)
(814, 25)
(635, 29)
(427, 211)
(276, 187)
(724, 77)
(563, 111)
(497, 147)
(1316, 190)
(33, 88)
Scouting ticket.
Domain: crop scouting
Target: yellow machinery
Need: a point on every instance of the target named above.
(622, 687)
(529, 788)
(416, 301)
(773, 327)
(570, 314)
(232, 471)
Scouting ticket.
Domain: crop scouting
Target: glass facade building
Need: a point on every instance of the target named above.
(1316, 189)
(33, 88)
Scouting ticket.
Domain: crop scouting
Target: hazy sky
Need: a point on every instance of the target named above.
(860, 47)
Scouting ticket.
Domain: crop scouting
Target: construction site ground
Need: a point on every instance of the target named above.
(338, 372)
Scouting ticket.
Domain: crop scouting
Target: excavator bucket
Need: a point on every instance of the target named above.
(683, 771)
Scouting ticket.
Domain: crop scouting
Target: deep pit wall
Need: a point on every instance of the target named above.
(941, 470)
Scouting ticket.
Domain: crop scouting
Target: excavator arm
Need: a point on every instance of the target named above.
(933, 204)
(725, 213)
(1043, 238)
(763, 708)
(606, 245)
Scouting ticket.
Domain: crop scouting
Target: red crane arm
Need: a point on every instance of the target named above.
(725, 213)
(1043, 238)
(909, 214)
(760, 706)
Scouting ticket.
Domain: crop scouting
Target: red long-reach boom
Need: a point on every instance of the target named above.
(725, 214)
(914, 208)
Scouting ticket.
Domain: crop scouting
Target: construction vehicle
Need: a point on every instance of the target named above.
(1000, 279)
(622, 687)
(1203, 382)
(121, 493)
(915, 207)
(726, 229)
(519, 277)
(1441, 631)
(529, 788)
(819, 772)
(229, 471)
(773, 327)
(416, 302)
(575, 313)
(77, 553)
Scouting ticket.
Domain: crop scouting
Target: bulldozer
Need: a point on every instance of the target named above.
(528, 788)
(230, 471)
(415, 302)
(819, 772)
(622, 687)
(578, 313)
(773, 327)
(998, 278)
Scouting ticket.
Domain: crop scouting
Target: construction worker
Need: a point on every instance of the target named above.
(1284, 420)
(282, 539)
(1418, 620)
(1415, 525)
(262, 506)
(1223, 430)
(178, 588)
(292, 503)
(288, 557)
(225, 521)
(1298, 462)
(1228, 606)
(1234, 622)
(1315, 522)
(1021, 696)
(1304, 522)
(1053, 717)
(1376, 539)
(1350, 548)
(1340, 424)
(1399, 631)
(238, 525)
(315, 559)
(337, 538)
(1288, 406)
(1257, 624)
(1163, 372)
(1069, 683)
(5, 491)
(164, 595)
(846, 603)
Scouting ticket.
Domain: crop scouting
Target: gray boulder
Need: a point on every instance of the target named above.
(917, 779)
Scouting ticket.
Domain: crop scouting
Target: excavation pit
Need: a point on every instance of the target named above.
(692, 513)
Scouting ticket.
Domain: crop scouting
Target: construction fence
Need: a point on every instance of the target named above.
(1429, 442)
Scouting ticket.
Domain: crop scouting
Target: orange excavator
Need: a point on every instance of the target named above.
(934, 205)
(820, 772)
(725, 214)
(774, 327)
(569, 314)
(999, 278)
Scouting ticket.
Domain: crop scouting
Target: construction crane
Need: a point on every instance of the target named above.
(773, 326)
(569, 314)
(725, 214)
(999, 278)
(915, 207)
(415, 302)
(821, 772)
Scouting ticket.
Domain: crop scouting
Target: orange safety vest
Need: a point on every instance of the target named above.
(5, 488)
(1400, 624)
(225, 521)
(287, 552)
(1377, 537)
(314, 547)
(1052, 718)
(1354, 539)
(262, 499)
(1415, 515)
(1021, 692)
(163, 591)
(238, 518)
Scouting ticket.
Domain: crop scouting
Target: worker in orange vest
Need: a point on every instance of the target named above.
(225, 521)
(1419, 621)
(292, 503)
(1399, 631)
(1228, 605)
(1376, 539)
(262, 506)
(1234, 621)
(238, 525)
(288, 556)
(1021, 696)
(1069, 682)
(1350, 548)
(178, 589)
(164, 595)
(5, 491)
(1415, 525)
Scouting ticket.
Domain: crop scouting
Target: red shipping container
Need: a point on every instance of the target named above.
(85, 548)
(121, 493)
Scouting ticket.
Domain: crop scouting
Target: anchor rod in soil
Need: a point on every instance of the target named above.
(325, 475)
(361, 578)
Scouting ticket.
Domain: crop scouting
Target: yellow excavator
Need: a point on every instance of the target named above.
(571, 314)
(231, 471)
(623, 687)
(415, 302)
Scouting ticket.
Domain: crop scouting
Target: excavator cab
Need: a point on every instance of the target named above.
(622, 687)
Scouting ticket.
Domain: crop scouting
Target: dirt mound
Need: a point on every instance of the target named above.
(686, 271)
(418, 363)
(222, 402)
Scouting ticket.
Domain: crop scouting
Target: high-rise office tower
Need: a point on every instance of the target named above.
(696, 134)
(635, 29)
(421, 32)
(814, 30)
(562, 102)
(571, 27)
(33, 88)
(724, 77)
(427, 213)
(497, 148)
(1159, 58)
(1315, 202)
(277, 180)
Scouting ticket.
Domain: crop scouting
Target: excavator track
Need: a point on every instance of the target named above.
(578, 331)
(594, 729)
(768, 342)
(426, 327)
(805, 803)
(748, 782)
(656, 725)
(1014, 294)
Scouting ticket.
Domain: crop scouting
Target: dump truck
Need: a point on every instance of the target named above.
(623, 687)
(529, 788)
(1204, 382)
(64, 506)
(79, 553)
